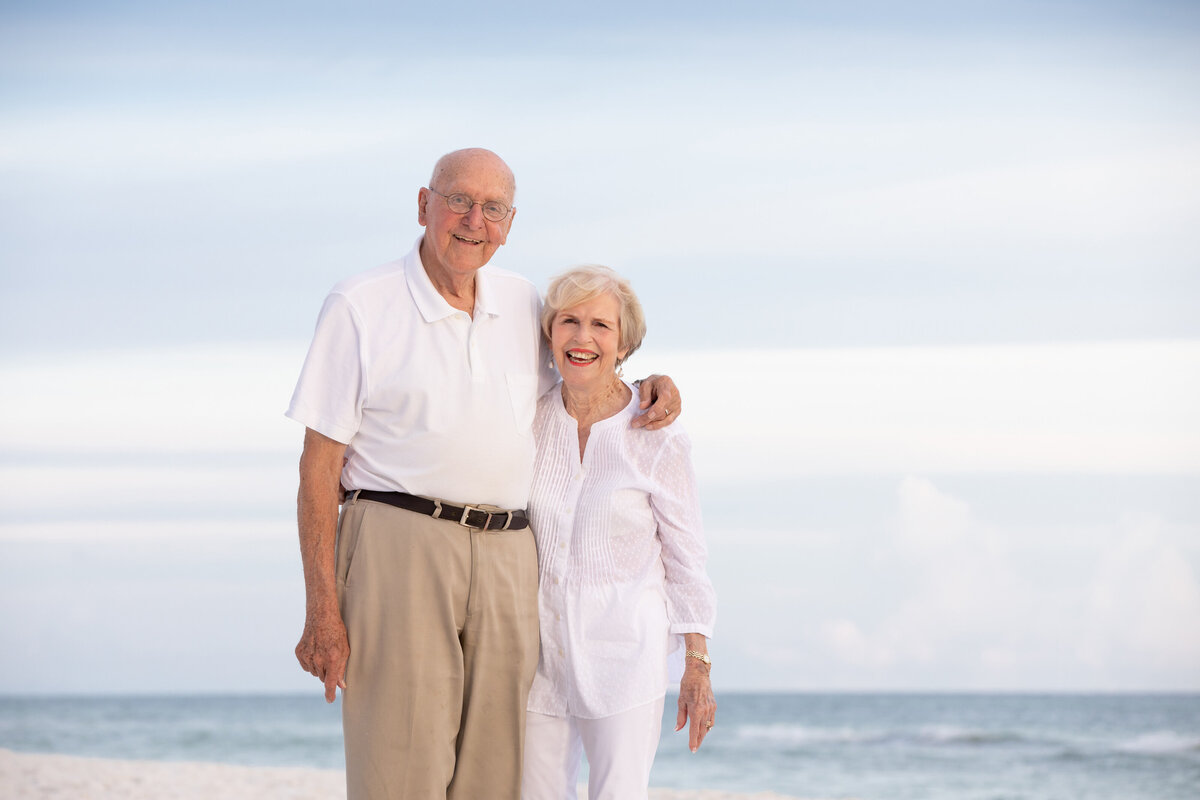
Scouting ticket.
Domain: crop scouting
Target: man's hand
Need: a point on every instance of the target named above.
(662, 392)
(323, 651)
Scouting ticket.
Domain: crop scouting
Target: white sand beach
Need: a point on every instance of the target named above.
(28, 777)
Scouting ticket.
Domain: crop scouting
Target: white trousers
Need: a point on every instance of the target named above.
(620, 751)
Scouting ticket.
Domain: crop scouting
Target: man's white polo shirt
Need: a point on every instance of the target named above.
(430, 401)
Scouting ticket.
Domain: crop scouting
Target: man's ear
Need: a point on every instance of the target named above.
(422, 203)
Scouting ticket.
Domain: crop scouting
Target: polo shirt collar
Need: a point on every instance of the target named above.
(430, 302)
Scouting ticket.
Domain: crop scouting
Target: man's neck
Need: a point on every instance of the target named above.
(457, 290)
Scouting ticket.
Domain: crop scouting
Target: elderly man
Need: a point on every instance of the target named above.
(422, 378)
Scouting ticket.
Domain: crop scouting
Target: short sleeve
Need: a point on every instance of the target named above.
(331, 391)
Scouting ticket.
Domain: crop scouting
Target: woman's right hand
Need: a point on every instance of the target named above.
(696, 702)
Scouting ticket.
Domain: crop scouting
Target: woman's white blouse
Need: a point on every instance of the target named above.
(621, 560)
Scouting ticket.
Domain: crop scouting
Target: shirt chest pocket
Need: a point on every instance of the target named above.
(522, 394)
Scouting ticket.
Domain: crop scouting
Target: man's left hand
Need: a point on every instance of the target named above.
(662, 392)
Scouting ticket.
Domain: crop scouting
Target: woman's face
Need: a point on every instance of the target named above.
(585, 340)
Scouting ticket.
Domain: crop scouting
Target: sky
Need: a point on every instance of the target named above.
(928, 279)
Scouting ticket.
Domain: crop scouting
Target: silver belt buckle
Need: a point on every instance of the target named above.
(466, 512)
(488, 517)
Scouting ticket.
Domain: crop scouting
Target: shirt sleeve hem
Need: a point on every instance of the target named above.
(339, 433)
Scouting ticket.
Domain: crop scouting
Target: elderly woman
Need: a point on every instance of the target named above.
(621, 557)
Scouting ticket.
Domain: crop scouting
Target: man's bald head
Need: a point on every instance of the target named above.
(477, 158)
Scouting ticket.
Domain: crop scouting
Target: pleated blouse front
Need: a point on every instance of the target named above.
(621, 558)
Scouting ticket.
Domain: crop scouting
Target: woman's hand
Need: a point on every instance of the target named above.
(697, 702)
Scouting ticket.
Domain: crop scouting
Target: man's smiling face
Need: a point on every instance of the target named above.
(455, 245)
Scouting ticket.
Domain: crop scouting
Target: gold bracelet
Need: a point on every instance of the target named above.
(702, 657)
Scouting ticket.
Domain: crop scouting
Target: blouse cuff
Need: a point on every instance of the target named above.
(681, 628)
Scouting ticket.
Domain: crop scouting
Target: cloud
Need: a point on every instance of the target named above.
(194, 427)
(962, 591)
(984, 603)
(154, 606)
(187, 144)
(1088, 408)
(845, 553)
(929, 519)
(913, 187)
(991, 585)
(223, 399)
(850, 646)
(1054, 203)
(1143, 604)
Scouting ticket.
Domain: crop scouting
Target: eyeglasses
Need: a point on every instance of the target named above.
(461, 204)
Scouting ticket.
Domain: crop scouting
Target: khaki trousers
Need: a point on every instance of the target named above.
(443, 630)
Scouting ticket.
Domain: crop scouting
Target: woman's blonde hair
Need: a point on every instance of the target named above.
(583, 283)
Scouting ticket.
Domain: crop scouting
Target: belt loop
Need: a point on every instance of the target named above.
(354, 496)
(437, 509)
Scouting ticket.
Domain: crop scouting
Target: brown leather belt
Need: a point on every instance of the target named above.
(467, 516)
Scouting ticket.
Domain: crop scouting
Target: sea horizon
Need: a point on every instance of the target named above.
(213, 693)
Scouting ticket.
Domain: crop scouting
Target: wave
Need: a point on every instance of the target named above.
(950, 734)
(787, 734)
(933, 735)
(1161, 742)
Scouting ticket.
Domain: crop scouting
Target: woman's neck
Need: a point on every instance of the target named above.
(589, 406)
(594, 404)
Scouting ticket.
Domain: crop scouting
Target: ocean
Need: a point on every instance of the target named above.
(865, 746)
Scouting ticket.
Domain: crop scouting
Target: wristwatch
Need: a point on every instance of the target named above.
(703, 657)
